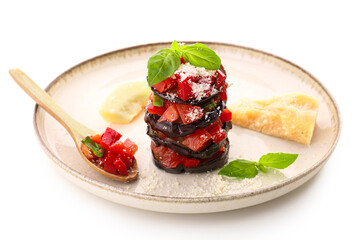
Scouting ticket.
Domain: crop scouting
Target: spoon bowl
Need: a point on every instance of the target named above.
(76, 130)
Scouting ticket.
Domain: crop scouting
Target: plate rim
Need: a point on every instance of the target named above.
(172, 199)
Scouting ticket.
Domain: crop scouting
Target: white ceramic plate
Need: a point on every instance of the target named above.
(255, 74)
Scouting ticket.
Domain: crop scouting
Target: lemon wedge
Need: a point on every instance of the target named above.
(125, 102)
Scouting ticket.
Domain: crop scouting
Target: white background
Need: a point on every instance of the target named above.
(46, 38)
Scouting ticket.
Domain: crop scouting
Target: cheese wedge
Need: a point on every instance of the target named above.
(290, 116)
(125, 102)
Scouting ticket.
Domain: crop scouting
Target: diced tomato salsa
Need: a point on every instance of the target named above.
(223, 93)
(167, 104)
(131, 146)
(96, 138)
(155, 110)
(189, 163)
(109, 137)
(216, 122)
(222, 149)
(167, 84)
(171, 114)
(111, 169)
(185, 91)
(220, 79)
(170, 159)
(198, 140)
(226, 115)
(188, 113)
(118, 157)
(217, 134)
(167, 157)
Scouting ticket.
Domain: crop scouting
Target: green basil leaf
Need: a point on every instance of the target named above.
(158, 101)
(96, 149)
(278, 160)
(239, 168)
(176, 48)
(200, 55)
(162, 65)
(261, 167)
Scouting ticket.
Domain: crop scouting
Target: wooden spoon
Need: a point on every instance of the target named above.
(75, 129)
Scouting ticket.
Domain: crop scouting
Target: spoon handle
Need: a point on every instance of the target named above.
(76, 129)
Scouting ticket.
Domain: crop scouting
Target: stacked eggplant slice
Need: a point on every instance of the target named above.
(187, 120)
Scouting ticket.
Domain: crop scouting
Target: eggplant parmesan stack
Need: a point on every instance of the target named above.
(187, 119)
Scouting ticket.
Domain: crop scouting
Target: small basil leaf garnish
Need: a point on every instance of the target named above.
(241, 168)
(278, 160)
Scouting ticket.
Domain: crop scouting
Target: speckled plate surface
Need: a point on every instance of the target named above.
(254, 74)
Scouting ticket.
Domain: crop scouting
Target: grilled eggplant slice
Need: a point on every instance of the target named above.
(179, 129)
(169, 96)
(182, 150)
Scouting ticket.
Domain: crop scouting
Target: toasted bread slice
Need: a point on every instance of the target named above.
(291, 116)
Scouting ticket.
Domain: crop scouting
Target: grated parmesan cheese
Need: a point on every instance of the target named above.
(193, 114)
(200, 89)
(186, 70)
(207, 184)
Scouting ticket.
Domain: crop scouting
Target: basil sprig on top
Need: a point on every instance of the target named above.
(241, 168)
(165, 62)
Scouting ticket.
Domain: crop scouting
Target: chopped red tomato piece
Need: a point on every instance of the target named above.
(124, 153)
(197, 140)
(188, 113)
(217, 134)
(167, 84)
(220, 79)
(109, 137)
(131, 146)
(189, 163)
(87, 152)
(170, 159)
(110, 168)
(216, 122)
(155, 110)
(223, 93)
(182, 61)
(167, 104)
(185, 91)
(128, 160)
(121, 167)
(118, 148)
(222, 149)
(157, 150)
(110, 156)
(171, 114)
(96, 138)
(166, 157)
(226, 115)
